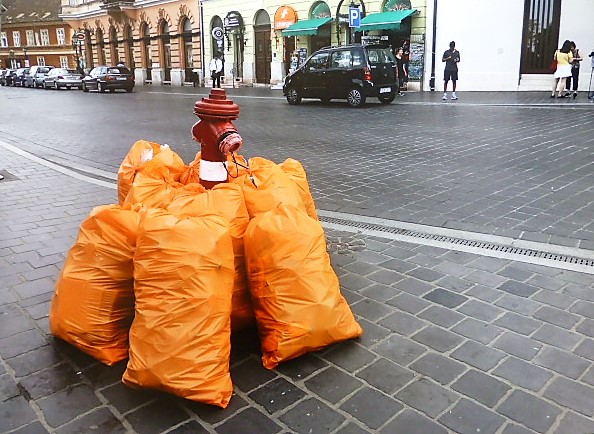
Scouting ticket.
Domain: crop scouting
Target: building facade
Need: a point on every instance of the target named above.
(159, 40)
(32, 33)
(263, 40)
(508, 45)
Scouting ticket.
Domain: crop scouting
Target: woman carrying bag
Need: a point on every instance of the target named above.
(564, 58)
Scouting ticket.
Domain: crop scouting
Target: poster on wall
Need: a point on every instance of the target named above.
(417, 56)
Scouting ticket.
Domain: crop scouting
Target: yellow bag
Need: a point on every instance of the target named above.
(267, 186)
(225, 200)
(180, 336)
(93, 303)
(143, 155)
(295, 292)
(296, 172)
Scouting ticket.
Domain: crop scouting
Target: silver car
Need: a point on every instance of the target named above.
(37, 75)
(59, 78)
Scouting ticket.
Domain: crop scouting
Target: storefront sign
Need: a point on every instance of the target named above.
(217, 33)
(284, 17)
(233, 19)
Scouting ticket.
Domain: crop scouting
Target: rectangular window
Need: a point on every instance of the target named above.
(61, 36)
(3, 39)
(540, 35)
(41, 61)
(45, 37)
(63, 62)
(30, 37)
(16, 38)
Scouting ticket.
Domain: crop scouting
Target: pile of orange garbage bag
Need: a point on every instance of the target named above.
(166, 276)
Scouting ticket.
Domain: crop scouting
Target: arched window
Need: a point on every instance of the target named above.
(147, 62)
(165, 52)
(114, 55)
(188, 57)
(100, 47)
(128, 47)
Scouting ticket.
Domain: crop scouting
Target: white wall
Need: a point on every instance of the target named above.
(488, 35)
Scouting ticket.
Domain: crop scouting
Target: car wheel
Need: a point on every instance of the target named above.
(56, 85)
(100, 87)
(85, 88)
(79, 87)
(355, 97)
(387, 99)
(293, 96)
(111, 90)
(129, 89)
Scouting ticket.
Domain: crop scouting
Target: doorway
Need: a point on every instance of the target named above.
(263, 54)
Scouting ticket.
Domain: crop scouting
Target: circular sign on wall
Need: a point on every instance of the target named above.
(80, 36)
(217, 33)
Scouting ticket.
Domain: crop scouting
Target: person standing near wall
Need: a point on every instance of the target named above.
(575, 71)
(402, 74)
(451, 57)
(216, 69)
(564, 59)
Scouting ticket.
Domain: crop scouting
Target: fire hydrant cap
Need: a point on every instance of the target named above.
(216, 106)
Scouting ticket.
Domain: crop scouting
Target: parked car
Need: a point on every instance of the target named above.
(109, 78)
(37, 75)
(58, 78)
(18, 78)
(4, 76)
(351, 72)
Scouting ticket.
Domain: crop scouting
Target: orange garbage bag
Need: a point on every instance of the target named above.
(295, 292)
(145, 154)
(154, 187)
(296, 172)
(225, 200)
(93, 303)
(180, 336)
(266, 186)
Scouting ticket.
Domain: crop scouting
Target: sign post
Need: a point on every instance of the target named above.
(354, 21)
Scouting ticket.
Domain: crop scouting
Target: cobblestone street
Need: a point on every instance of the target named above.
(456, 339)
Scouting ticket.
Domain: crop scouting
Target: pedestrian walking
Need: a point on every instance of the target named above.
(406, 59)
(564, 58)
(402, 74)
(216, 68)
(451, 58)
(575, 72)
(121, 64)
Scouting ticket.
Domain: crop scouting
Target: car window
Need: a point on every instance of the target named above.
(317, 62)
(341, 59)
(73, 71)
(43, 70)
(118, 70)
(380, 56)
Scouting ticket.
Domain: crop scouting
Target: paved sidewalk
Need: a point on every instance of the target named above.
(453, 342)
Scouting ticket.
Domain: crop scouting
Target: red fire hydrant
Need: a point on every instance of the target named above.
(217, 136)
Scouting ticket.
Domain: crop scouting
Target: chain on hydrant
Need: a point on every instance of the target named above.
(217, 136)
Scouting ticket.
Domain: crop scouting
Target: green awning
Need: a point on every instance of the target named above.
(305, 27)
(384, 20)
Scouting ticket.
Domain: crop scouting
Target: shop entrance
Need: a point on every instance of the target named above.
(263, 46)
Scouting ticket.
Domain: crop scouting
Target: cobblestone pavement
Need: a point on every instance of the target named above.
(454, 342)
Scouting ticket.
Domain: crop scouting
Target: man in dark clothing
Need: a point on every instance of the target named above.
(451, 57)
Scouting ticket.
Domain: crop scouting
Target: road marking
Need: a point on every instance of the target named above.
(57, 167)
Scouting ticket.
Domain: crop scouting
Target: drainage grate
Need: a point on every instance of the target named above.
(455, 243)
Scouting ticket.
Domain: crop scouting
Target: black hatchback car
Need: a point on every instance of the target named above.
(109, 78)
(351, 72)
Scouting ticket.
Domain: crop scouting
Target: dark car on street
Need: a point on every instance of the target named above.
(37, 75)
(58, 78)
(5, 75)
(18, 78)
(110, 78)
(351, 72)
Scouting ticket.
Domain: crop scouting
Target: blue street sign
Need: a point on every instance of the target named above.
(354, 17)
